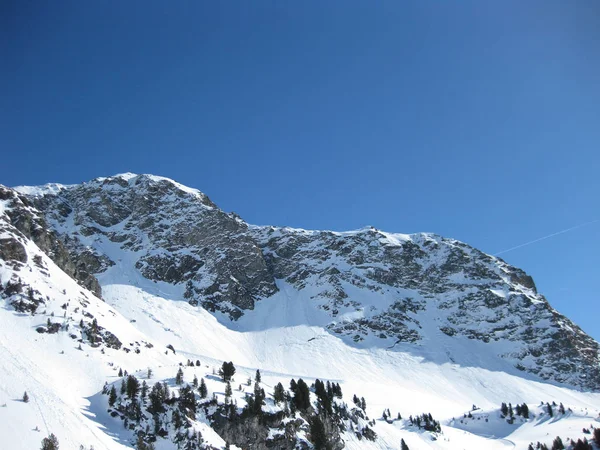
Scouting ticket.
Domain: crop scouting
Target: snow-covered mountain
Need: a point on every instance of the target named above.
(101, 277)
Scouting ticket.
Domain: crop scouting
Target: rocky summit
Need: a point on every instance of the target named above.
(169, 263)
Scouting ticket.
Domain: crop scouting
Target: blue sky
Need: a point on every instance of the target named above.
(475, 120)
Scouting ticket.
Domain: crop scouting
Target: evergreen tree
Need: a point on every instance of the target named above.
(561, 408)
(403, 445)
(50, 442)
(177, 420)
(549, 408)
(525, 410)
(141, 445)
(558, 444)
(187, 401)
(323, 396)
(149, 373)
(132, 387)
(317, 433)
(228, 391)
(363, 404)
(279, 393)
(195, 381)
(257, 377)
(112, 396)
(597, 436)
(202, 389)
(25, 397)
(158, 396)
(504, 409)
(144, 391)
(179, 377)
(227, 371)
(259, 399)
(337, 390)
(123, 386)
(301, 399)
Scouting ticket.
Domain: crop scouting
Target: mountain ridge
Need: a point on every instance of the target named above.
(137, 273)
(227, 266)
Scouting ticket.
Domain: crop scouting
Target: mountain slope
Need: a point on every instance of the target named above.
(414, 323)
(375, 288)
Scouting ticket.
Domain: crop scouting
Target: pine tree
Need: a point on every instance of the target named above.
(257, 378)
(179, 377)
(561, 408)
(159, 394)
(301, 399)
(50, 442)
(112, 396)
(228, 391)
(259, 399)
(504, 409)
(403, 445)
(123, 386)
(278, 393)
(141, 445)
(144, 391)
(549, 408)
(227, 371)
(558, 444)
(525, 410)
(25, 397)
(202, 389)
(132, 387)
(120, 372)
(363, 404)
(195, 381)
(317, 433)
(187, 401)
(149, 373)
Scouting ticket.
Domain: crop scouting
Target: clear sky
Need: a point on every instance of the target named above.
(475, 120)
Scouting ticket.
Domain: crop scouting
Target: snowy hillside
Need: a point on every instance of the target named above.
(137, 272)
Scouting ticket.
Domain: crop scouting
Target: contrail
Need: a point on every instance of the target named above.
(546, 237)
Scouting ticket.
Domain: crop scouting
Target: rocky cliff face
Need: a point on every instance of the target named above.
(381, 289)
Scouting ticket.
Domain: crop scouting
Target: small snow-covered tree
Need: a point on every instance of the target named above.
(179, 377)
(228, 391)
(25, 397)
(50, 442)
(202, 389)
(279, 393)
(227, 371)
(112, 396)
(557, 444)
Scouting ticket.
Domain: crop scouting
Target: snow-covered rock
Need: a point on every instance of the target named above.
(116, 272)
